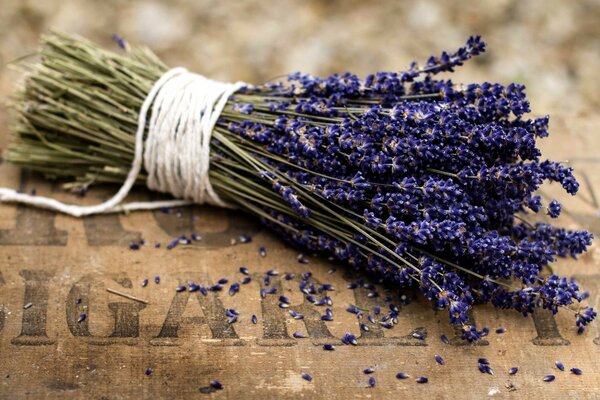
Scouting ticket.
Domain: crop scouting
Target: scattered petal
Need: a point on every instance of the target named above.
(576, 371)
(306, 377)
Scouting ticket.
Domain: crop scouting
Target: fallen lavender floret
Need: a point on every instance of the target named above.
(412, 178)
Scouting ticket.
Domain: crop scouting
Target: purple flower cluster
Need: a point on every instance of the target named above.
(416, 180)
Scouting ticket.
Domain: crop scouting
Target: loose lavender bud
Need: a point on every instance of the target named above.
(402, 375)
(306, 377)
(439, 359)
(486, 369)
(310, 299)
(325, 287)
(560, 365)
(244, 270)
(444, 339)
(262, 252)
(157, 279)
(243, 238)
(549, 378)
(254, 319)
(216, 384)
(120, 41)
(81, 318)
(483, 361)
(328, 315)
(203, 290)
(295, 315)
(513, 370)
(145, 282)
(148, 371)
(195, 237)
(353, 310)
(234, 288)
(216, 288)
(349, 338)
(364, 327)
(284, 299)
(389, 325)
(173, 243)
(368, 370)
(288, 276)
(422, 379)
(576, 371)
(180, 288)
(231, 312)
(272, 272)
(302, 259)
(500, 330)
(246, 280)
(328, 347)
(298, 335)
(134, 246)
(372, 382)
(377, 310)
(222, 281)
(369, 286)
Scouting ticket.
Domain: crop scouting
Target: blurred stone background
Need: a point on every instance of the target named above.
(552, 46)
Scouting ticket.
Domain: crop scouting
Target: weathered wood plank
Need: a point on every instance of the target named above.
(52, 261)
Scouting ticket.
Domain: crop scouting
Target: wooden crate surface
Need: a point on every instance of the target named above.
(51, 261)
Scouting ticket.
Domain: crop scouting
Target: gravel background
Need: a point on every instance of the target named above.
(552, 46)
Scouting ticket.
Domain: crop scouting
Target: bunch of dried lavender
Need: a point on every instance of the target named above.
(411, 178)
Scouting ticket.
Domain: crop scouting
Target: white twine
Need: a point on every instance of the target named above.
(185, 109)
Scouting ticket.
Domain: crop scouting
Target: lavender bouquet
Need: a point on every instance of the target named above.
(416, 180)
